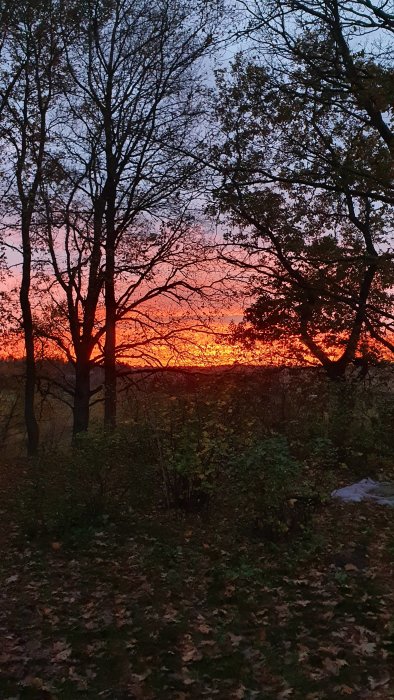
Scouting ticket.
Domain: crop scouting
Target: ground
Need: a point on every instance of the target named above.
(180, 607)
(196, 551)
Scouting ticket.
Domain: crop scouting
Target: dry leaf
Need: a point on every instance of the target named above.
(351, 567)
(191, 654)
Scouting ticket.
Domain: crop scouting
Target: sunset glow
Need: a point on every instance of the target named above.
(191, 349)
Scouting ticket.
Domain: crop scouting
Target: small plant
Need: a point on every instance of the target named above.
(108, 466)
(322, 453)
(103, 474)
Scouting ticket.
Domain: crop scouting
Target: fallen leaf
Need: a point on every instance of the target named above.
(367, 648)
(378, 682)
(344, 689)
(235, 639)
(351, 567)
(62, 651)
(191, 654)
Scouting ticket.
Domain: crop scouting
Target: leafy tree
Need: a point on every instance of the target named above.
(305, 158)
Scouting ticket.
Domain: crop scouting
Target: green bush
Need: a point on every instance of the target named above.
(101, 474)
(113, 469)
(266, 474)
(193, 444)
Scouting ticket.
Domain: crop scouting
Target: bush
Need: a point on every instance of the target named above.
(267, 471)
(102, 474)
(193, 445)
(266, 478)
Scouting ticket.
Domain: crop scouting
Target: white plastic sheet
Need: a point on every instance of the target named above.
(367, 490)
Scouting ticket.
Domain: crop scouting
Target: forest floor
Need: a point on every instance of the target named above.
(188, 607)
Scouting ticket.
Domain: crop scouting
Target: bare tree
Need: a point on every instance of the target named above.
(31, 57)
(115, 208)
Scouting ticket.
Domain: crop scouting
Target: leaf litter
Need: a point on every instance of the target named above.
(212, 616)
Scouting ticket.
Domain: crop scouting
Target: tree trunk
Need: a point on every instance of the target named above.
(110, 311)
(336, 369)
(110, 348)
(82, 396)
(27, 319)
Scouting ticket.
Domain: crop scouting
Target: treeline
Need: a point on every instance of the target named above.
(125, 136)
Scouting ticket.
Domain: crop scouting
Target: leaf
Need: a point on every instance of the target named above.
(56, 546)
(191, 654)
(334, 665)
(344, 689)
(142, 676)
(235, 639)
(34, 682)
(351, 567)
(367, 648)
(379, 682)
(62, 651)
(287, 693)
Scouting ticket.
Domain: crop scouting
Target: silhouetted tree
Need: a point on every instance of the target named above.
(305, 158)
(30, 52)
(115, 207)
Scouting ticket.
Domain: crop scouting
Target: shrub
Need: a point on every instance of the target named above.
(193, 444)
(113, 469)
(268, 471)
(265, 476)
(103, 473)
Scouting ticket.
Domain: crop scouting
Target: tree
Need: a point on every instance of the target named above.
(27, 92)
(305, 160)
(115, 206)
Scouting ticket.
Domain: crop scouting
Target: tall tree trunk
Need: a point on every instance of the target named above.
(27, 319)
(336, 369)
(110, 402)
(81, 407)
(110, 341)
(110, 300)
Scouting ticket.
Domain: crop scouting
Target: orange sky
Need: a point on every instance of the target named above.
(190, 349)
(187, 346)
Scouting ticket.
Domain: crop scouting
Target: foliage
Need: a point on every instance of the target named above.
(247, 442)
(102, 475)
(304, 152)
(268, 472)
(191, 607)
(193, 445)
(112, 467)
(215, 602)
